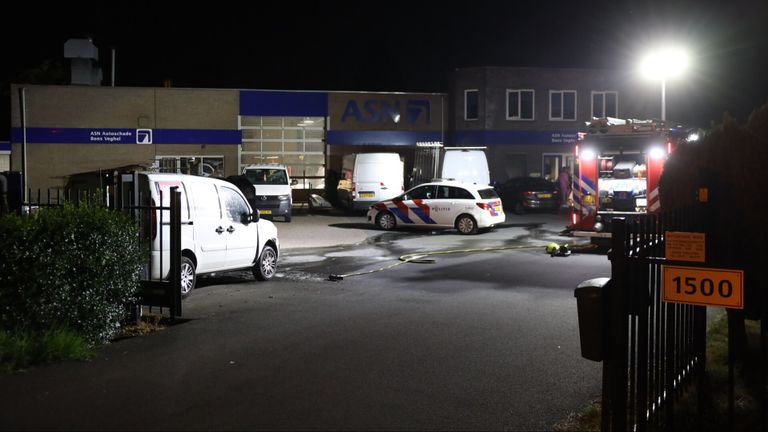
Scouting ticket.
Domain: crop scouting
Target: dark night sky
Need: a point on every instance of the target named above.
(405, 45)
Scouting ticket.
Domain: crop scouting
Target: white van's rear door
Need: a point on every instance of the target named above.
(378, 181)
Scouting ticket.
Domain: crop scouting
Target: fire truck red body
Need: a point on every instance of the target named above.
(619, 164)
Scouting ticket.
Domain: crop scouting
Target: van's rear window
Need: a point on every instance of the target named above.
(488, 193)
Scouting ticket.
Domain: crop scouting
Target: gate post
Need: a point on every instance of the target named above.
(175, 253)
(614, 416)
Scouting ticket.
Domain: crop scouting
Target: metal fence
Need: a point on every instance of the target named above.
(656, 350)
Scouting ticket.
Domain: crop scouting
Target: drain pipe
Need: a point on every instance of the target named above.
(23, 106)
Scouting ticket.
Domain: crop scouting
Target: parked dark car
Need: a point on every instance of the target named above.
(522, 194)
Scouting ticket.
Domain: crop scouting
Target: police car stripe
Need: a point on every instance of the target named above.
(422, 211)
(401, 211)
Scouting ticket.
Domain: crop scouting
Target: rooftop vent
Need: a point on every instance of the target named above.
(83, 57)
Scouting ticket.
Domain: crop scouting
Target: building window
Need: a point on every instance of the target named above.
(199, 165)
(296, 142)
(562, 105)
(605, 104)
(471, 104)
(520, 104)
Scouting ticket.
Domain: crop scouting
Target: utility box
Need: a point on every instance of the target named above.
(590, 296)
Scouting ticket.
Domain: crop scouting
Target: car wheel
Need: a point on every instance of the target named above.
(266, 265)
(519, 208)
(188, 277)
(466, 224)
(386, 221)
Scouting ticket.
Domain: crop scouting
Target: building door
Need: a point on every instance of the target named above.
(550, 166)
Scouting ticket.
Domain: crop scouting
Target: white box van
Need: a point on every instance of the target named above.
(273, 189)
(219, 230)
(367, 178)
(467, 165)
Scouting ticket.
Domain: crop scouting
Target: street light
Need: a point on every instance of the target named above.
(664, 64)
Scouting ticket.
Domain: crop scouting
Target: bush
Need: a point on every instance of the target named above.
(72, 267)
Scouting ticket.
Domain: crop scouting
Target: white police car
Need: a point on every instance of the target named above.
(441, 204)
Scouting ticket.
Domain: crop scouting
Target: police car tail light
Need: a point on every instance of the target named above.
(484, 206)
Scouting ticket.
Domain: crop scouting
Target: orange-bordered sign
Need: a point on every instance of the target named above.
(703, 286)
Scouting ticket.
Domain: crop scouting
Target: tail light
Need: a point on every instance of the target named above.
(354, 190)
(153, 218)
(483, 206)
(529, 194)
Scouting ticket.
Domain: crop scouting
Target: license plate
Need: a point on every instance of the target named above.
(265, 211)
(545, 195)
(367, 194)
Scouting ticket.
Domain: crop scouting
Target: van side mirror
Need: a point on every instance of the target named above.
(294, 182)
(250, 217)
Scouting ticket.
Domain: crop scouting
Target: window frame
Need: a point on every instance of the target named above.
(562, 105)
(477, 114)
(520, 104)
(603, 93)
(224, 193)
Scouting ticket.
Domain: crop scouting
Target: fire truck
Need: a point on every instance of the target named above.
(619, 164)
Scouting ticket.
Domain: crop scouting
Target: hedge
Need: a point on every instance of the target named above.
(72, 267)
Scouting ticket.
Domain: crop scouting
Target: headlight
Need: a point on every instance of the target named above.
(284, 197)
(599, 226)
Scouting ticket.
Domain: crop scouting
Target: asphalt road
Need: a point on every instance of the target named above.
(474, 341)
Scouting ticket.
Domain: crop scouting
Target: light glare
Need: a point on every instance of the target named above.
(657, 153)
(664, 63)
(587, 154)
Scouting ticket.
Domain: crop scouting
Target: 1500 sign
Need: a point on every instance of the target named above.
(704, 286)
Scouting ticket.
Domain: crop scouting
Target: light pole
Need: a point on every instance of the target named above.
(662, 64)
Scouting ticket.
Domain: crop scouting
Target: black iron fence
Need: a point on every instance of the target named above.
(157, 223)
(656, 348)
(653, 347)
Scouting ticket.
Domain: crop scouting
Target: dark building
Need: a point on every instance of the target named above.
(529, 118)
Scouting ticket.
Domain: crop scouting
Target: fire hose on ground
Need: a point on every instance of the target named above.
(553, 249)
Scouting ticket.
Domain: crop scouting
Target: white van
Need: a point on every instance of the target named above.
(466, 165)
(367, 178)
(219, 230)
(273, 189)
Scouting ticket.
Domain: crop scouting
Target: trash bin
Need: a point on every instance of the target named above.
(589, 303)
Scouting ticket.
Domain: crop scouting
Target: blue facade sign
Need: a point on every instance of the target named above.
(283, 103)
(404, 138)
(382, 111)
(504, 137)
(127, 136)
